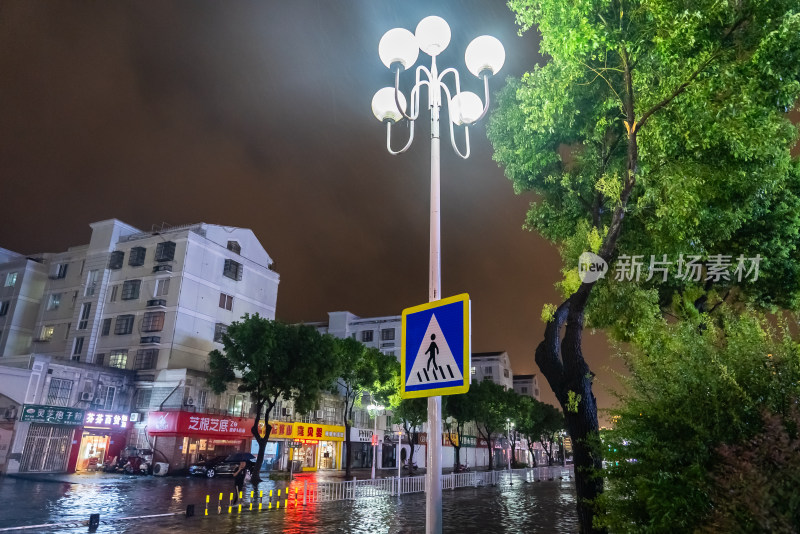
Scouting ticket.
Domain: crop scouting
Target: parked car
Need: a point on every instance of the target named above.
(215, 466)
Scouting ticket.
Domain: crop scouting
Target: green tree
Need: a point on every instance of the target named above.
(457, 411)
(411, 414)
(492, 409)
(692, 394)
(539, 421)
(361, 370)
(272, 360)
(655, 128)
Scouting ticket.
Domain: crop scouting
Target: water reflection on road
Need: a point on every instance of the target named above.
(534, 507)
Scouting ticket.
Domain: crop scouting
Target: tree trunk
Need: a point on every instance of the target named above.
(533, 454)
(567, 372)
(262, 442)
(457, 451)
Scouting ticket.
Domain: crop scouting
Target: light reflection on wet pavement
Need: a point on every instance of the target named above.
(547, 506)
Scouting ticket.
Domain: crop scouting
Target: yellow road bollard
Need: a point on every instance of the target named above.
(230, 503)
(270, 499)
(240, 502)
(208, 499)
(219, 504)
(251, 499)
(260, 499)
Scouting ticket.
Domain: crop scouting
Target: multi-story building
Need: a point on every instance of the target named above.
(153, 303)
(379, 332)
(494, 366)
(526, 385)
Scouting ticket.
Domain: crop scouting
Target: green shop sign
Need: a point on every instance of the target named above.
(56, 415)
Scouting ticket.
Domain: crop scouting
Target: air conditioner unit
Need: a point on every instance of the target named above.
(189, 402)
(86, 396)
(134, 417)
(285, 412)
(160, 469)
(319, 414)
(97, 401)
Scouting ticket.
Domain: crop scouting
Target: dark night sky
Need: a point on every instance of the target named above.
(257, 114)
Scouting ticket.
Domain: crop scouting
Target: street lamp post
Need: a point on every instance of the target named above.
(509, 429)
(375, 408)
(398, 50)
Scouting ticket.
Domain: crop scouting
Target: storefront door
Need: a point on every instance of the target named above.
(46, 449)
(92, 453)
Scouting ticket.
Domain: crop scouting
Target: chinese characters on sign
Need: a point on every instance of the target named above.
(214, 425)
(691, 268)
(95, 419)
(303, 430)
(57, 415)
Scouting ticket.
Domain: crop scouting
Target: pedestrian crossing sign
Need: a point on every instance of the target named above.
(436, 348)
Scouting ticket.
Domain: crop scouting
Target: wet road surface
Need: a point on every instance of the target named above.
(546, 507)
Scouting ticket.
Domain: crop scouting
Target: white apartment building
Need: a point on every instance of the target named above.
(379, 332)
(527, 385)
(494, 366)
(154, 303)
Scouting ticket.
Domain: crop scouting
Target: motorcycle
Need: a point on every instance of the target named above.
(134, 461)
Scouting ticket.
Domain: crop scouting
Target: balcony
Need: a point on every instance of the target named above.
(157, 303)
(164, 268)
(150, 340)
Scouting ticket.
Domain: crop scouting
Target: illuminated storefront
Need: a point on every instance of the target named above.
(102, 440)
(180, 438)
(320, 445)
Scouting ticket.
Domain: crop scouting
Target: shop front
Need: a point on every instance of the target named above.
(183, 438)
(361, 443)
(49, 435)
(316, 446)
(102, 439)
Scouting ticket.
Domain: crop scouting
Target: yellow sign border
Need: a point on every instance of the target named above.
(467, 356)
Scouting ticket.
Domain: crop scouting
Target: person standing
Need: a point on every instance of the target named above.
(238, 480)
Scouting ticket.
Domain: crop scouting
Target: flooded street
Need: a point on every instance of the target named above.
(547, 506)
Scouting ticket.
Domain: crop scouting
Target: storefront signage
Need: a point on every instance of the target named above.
(56, 415)
(360, 435)
(294, 430)
(105, 420)
(195, 424)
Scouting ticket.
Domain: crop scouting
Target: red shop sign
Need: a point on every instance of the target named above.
(197, 424)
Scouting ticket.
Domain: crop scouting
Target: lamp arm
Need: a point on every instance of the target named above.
(452, 132)
(389, 139)
(456, 77)
(486, 97)
(414, 94)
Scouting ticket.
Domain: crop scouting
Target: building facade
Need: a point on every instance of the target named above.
(494, 366)
(153, 304)
(526, 385)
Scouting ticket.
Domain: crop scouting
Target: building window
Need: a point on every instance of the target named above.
(114, 293)
(162, 287)
(234, 246)
(4, 307)
(60, 270)
(107, 398)
(472, 370)
(115, 259)
(505, 373)
(142, 398)
(124, 325)
(59, 392)
(91, 283)
(165, 251)
(130, 289)
(225, 301)
(487, 370)
(54, 301)
(387, 334)
(366, 336)
(136, 257)
(77, 348)
(219, 330)
(86, 309)
(106, 327)
(118, 359)
(145, 359)
(99, 359)
(202, 397)
(153, 321)
(47, 333)
(11, 279)
(523, 390)
(233, 270)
